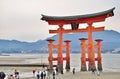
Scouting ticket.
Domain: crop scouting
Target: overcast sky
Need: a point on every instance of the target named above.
(20, 19)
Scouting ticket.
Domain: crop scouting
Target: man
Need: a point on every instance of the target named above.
(2, 75)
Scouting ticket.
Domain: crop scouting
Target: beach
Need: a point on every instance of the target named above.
(26, 72)
(85, 75)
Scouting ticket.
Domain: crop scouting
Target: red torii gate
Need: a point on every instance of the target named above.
(75, 21)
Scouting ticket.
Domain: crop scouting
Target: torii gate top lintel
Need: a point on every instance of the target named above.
(88, 18)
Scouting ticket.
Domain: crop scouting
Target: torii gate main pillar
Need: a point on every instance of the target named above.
(91, 57)
(60, 46)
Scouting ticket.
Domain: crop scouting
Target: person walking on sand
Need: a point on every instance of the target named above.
(48, 74)
(73, 71)
(93, 71)
(11, 77)
(44, 74)
(41, 75)
(56, 70)
(53, 74)
(2, 75)
(98, 73)
(43, 66)
(16, 74)
(38, 75)
(33, 71)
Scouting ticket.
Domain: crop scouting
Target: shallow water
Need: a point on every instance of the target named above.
(110, 62)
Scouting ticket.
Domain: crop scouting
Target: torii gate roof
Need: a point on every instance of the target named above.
(95, 17)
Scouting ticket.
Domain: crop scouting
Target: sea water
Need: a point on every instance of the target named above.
(110, 62)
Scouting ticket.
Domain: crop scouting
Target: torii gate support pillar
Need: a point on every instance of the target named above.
(67, 54)
(50, 58)
(99, 59)
(83, 55)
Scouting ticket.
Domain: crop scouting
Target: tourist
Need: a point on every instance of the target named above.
(17, 77)
(98, 73)
(93, 71)
(43, 66)
(48, 74)
(46, 71)
(56, 70)
(2, 75)
(61, 71)
(38, 75)
(33, 71)
(73, 71)
(44, 74)
(11, 77)
(16, 74)
(41, 75)
(53, 74)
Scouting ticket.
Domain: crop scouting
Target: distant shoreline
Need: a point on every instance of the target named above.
(4, 55)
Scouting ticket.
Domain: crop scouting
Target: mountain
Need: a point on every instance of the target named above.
(10, 46)
(110, 43)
